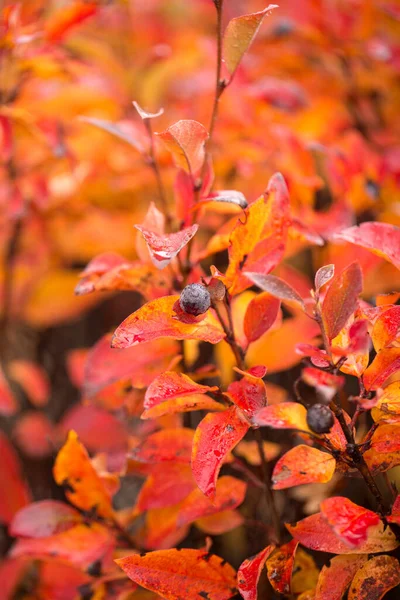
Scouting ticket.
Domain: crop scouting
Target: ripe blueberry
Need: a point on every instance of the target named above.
(195, 299)
(319, 418)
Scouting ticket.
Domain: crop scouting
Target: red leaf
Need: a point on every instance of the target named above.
(34, 434)
(60, 23)
(285, 415)
(216, 435)
(249, 573)
(33, 379)
(167, 485)
(164, 248)
(379, 575)
(385, 363)
(280, 566)
(386, 328)
(303, 464)
(186, 142)
(395, 512)
(334, 580)
(276, 287)
(229, 494)
(16, 494)
(44, 518)
(341, 299)
(177, 574)
(382, 239)
(105, 365)
(384, 448)
(260, 315)
(315, 533)
(166, 445)
(349, 521)
(8, 403)
(249, 394)
(157, 319)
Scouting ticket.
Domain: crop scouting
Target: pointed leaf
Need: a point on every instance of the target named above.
(341, 299)
(385, 363)
(335, 579)
(303, 464)
(216, 435)
(315, 533)
(239, 36)
(386, 328)
(179, 574)
(260, 315)
(249, 573)
(186, 142)
(158, 319)
(164, 248)
(349, 521)
(280, 566)
(382, 239)
(379, 575)
(276, 287)
(285, 415)
(384, 448)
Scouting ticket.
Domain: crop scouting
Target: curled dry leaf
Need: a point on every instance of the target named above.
(229, 196)
(341, 299)
(382, 239)
(334, 580)
(348, 521)
(158, 319)
(303, 464)
(375, 578)
(216, 435)
(315, 533)
(163, 248)
(249, 573)
(178, 574)
(280, 566)
(239, 35)
(185, 140)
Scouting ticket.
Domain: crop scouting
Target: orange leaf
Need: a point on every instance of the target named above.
(186, 142)
(160, 531)
(315, 533)
(379, 575)
(388, 404)
(280, 566)
(260, 315)
(382, 239)
(8, 403)
(341, 299)
(229, 494)
(167, 485)
(59, 24)
(335, 579)
(385, 363)
(16, 494)
(239, 35)
(84, 487)
(303, 464)
(220, 523)
(384, 448)
(158, 319)
(249, 394)
(44, 518)
(181, 574)
(349, 521)
(164, 248)
(286, 415)
(216, 435)
(249, 573)
(33, 379)
(166, 445)
(386, 328)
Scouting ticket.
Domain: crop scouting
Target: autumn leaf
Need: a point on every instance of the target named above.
(382, 239)
(341, 299)
(384, 448)
(220, 523)
(185, 140)
(334, 579)
(44, 518)
(303, 464)
(165, 446)
(285, 415)
(249, 394)
(8, 403)
(239, 36)
(386, 328)
(163, 248)
(276, 287)
(388, 404)
(67, 17)
(375, 578)
(17, 495)
(119, 130)
(83, 486)
(323, 276)
(349, 521)
(385, 363)
(315, 533)
(249, 573)
(157, 319)
(33, 379)
(165, 486)
(280, 566)
(260, 315)
(216, 435)
(180, 574)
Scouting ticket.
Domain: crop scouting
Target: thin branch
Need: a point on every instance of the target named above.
(274, 517)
